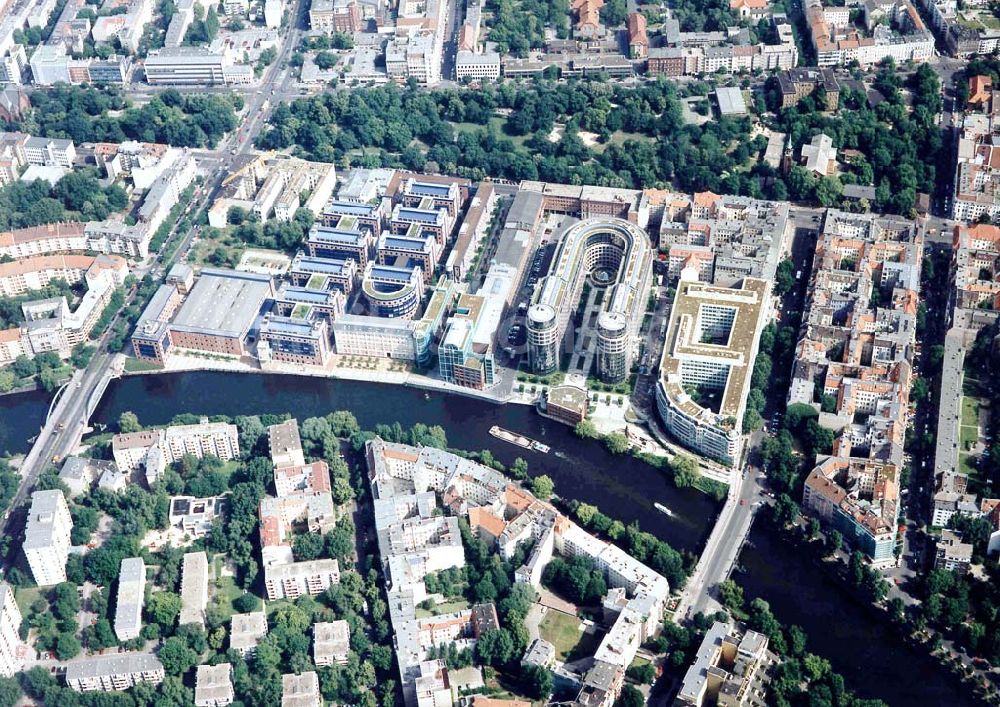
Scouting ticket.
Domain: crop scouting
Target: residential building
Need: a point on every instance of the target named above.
(213, 685)
(217, 439)
(11, 646)
(301, 690)
(952, 553)
(46, 537)
(286, 446)
(294, 579)
(728, 670)
(797, 83)
(335, 16)
(896, 32)
(80, 473)
(194, 589)
(113, 672)
(638, 40)
(131, 596)
(860, 499)
(246, 630)
(331, 643)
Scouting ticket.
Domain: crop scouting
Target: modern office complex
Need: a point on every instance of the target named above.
(46, 537)
(709, 352)
(611, 253)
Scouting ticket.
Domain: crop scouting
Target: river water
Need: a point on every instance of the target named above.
(874, 661)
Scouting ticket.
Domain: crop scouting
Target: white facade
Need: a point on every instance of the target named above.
(46, 537)
(131, 596)
(10, 633)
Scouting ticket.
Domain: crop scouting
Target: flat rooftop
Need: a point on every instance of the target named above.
(694, 304)
(223, 303)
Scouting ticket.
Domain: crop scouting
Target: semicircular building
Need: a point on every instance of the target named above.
(612, 252)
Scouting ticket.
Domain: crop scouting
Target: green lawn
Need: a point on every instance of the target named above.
(965, 465)
(497, 122)
(564, 632)
(455, 604)
(24, 596)
(134, 365)
(968, 436)
(970, 411)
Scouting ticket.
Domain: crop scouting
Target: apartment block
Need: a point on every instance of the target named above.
(11, 658)
(131, 596)
(246, 630)
(729, 669)
(213, 686)
(46, 537)
(285, 445)
(335, 16)
(860, 498)
(301, 690)
(295, 579)
(331, 643)
(113, 672)
(194, 588)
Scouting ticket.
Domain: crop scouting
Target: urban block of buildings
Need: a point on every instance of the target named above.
(855, 352)
(152, 450)
(892, 29)
(729, 669)
(50, 324)
(414, 539)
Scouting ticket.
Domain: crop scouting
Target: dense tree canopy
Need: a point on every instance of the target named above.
(391, 120)
(85, 115)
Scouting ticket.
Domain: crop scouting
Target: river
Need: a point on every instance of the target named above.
(874, 661)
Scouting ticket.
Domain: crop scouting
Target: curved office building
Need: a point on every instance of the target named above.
(611, 252)
(392, 292)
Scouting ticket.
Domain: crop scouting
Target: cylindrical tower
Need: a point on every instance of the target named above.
(543, 339)
(612, 347)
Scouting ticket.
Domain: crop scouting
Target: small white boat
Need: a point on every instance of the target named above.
(663, 509)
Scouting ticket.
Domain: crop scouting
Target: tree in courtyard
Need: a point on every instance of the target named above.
(630, 697)
(537, 681)
(163, 608)
(834, 541)
(176, 656)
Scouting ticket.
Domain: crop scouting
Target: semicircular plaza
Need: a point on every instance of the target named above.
(611, 252)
